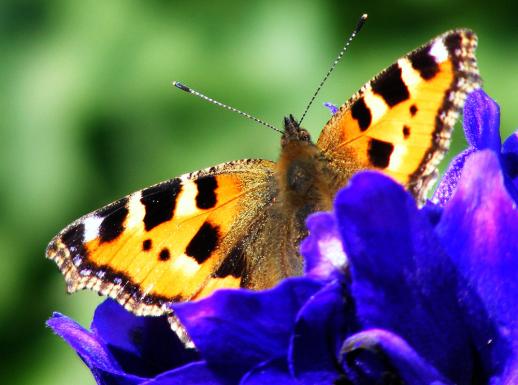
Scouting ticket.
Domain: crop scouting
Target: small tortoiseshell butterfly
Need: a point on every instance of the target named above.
(239, 224)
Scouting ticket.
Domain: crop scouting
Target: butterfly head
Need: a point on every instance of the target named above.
(293, 132)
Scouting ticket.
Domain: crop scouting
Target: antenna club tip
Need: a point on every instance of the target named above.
(181, 86)
(360, 23)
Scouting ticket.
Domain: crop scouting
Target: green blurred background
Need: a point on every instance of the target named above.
(88, 114)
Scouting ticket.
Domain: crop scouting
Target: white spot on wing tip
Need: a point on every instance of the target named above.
(439, 51)
(136, 210)
(410, 75)
(376, 104)
(186, 204)
(92, 225)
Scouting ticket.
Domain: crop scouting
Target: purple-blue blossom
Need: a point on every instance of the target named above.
(332, 108)
(392, 293)
(482, 131)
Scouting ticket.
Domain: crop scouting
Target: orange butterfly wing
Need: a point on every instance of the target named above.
(168, 242)
(401, 121)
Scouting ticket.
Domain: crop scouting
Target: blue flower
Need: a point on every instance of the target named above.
(392, 293)
(481, 128)
(121, 348)
(332, 108)
(430, 296)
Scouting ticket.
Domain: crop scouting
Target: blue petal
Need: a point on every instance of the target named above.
(371, 356)
(479, 229)
(510, 375)
(271, 372)
(145, 346)
(332, 107)
(432, 211)
(193, 373)
(92, 351)
(241, 328)
(322, 249)
(322, 325)
(449, 181)
(510, 157)
(510, 145)
(482, 121)
(402, 280)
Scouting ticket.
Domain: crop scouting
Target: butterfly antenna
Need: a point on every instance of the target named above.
(189, 90)
(355, 32)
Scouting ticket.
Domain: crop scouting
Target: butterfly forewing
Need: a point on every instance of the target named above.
(400, 122)
(167, 242)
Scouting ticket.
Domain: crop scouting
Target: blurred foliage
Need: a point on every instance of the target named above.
(88, 114)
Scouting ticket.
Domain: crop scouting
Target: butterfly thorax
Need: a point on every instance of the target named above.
(303, 172)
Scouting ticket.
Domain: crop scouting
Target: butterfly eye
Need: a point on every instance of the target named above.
(304, 135)
(294, 133)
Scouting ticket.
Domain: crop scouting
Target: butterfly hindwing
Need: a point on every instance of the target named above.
(170, 242)
(400, 122)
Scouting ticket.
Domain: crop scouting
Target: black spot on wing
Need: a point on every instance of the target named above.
(206, 197)
(424, 62)
(406, 132)
(203, 243)
(73, 239)
(380, 152)
(413, 109)
(146, 245)
(160, 202)
(361, 113)
(390, 86)
(234, 264)
(113, 223)
(164, 254)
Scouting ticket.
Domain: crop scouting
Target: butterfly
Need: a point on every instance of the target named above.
(239, 224)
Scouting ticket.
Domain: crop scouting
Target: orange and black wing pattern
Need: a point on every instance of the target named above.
(401, 121)
(169, 242)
